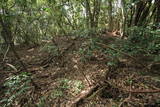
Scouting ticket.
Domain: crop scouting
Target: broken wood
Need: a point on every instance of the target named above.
(84, 94)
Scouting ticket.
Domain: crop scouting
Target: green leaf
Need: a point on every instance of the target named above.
(34, 1)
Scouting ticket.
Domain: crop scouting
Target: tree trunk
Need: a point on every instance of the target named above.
(110, 15)
(139, 9)
(145, 14)
(123, 23)
(7, 36)
(97, 9)
(89, 13)
(93, 14)
(158, 14)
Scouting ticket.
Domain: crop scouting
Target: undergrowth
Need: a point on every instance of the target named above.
(61, 91)
(140, 42)
(16, 89)
(50, 48)
(143, 41)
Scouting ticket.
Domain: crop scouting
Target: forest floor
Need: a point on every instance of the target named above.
(70, 78)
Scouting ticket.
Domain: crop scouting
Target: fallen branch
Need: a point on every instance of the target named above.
(84, 94)
(95, 93)
(143, 91)
(13, 67)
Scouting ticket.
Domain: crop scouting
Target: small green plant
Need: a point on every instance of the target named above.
(57, 93)
(17, 86)
(64, 84)
(85, 53)
(42, 102)
(88, 48)
(112, 56)
(74, 85)
(77, 86)
(129, 81)
(50, 48)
